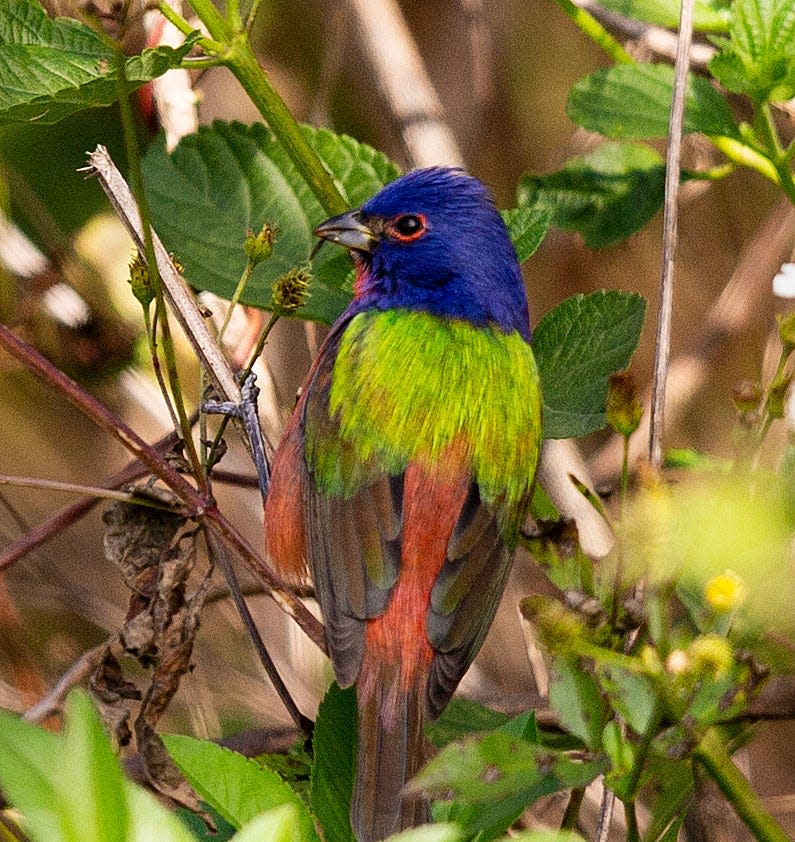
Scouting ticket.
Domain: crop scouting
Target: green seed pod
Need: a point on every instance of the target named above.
(624, 408)
(259, 247)
(141, 281)
(291, 291)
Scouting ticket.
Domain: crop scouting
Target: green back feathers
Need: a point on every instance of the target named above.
(406, 384)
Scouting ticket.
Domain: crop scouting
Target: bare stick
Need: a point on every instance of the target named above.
(672, 166)
(79, 671)
(176, 290)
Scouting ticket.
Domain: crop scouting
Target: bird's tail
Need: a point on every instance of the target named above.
(390, 753)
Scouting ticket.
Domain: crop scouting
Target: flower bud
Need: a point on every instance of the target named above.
(711, 653)
(259, 247)
(786, 331)
(747, 395)
(624, 408)
(141, 281)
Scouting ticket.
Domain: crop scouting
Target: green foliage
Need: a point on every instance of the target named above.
(52, 68)
(238, 178)
(492, 778)
(633, 102)
(606, 195)
(708, 15)
(70, 787)
(528, 225)
(237, 787)
(758, 58)
(334, 742)
(578, 345)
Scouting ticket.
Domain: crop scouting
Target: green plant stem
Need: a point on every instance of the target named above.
(233, 301)
(216, 24)
(713, 756)
(240, 59)
(252, 14)
(778, 155)
(233, 15)
(137, 186)
(742, 154)
(186, 29)
(589, 25)
(572, 813)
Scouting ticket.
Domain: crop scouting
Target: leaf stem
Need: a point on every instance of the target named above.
(591, 27)
(742, 154)
(186, 29)
(215, 22)
(240, 59)
(713, 756)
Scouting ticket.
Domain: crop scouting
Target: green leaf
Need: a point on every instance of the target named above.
(52, 68)
(90, 779)
(70, 786)
(527, 225)
(574, 694)
(633, 102)
(281, 824)
(149, 819)
(229, 178)
(544, 836)
(708, 15)
(237, 787)
(27, 757)
(630, 695)
(334, 742)
(578, 345)
(606, 195)
(497, 767)
(461, 718)
(758, 59)
(440, 832)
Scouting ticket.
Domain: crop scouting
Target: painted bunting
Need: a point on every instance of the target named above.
(407, 468)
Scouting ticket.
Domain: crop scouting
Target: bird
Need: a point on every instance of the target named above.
(407, 468)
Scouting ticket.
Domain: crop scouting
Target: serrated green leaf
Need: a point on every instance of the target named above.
(758, 59)
(334, 741)
(527, 225)
(606, 195)
(52, 68)
(574, 694)
(633, 102)
(708, 15)
(229, 178)
(237, 787)
(578, 345)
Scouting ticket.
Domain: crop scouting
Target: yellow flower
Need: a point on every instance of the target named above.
(725, 591)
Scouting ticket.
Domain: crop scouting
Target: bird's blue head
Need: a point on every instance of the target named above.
(433, 241)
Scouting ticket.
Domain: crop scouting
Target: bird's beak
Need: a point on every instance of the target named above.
(349, 230)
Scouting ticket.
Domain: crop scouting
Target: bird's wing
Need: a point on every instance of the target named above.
(352, 534)
(465, 597)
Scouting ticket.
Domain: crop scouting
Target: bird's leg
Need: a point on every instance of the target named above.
(247, 412)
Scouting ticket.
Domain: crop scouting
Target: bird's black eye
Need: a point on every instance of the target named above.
(408, 227)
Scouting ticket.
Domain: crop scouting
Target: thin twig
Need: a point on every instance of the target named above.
(48, 529)
(198, 504)
(219, 552)
(80, 670)
(77, 488)
(672, 165)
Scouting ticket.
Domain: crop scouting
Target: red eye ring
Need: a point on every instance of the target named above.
(408, 227)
